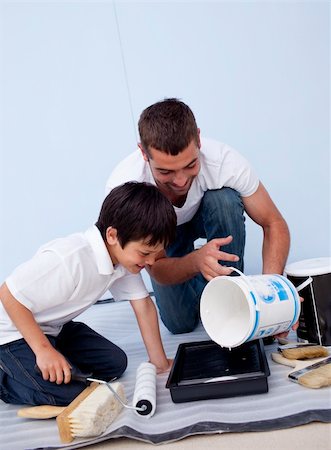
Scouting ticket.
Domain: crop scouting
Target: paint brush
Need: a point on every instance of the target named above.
(314, 373)
(303, 351)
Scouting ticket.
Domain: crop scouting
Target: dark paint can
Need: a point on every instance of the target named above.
(315, 316)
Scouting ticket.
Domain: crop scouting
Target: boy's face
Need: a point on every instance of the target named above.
(135, 255)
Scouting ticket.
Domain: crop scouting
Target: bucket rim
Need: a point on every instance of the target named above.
(309, 267)
(251, 301)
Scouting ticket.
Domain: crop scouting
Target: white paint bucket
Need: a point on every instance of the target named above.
(239, 309)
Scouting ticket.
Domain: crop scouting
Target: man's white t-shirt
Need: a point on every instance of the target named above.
(64, 278)
(220, 166)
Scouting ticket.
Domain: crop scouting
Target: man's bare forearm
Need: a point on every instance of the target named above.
(276, 245)
(207, 260)
(174, 270)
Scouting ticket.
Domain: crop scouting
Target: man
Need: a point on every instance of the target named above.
(211, 186)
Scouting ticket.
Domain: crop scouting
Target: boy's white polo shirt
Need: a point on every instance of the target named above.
(64, 278)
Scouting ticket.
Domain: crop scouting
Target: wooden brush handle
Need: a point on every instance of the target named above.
(278, 358)
(41, 412)
(296, 363)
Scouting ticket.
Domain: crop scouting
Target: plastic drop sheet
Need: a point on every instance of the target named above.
(285, 405)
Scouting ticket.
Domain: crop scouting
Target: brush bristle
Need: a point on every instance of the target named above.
(96, 412)
(305, 352)
(317, 378)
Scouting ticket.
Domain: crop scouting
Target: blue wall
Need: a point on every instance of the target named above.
(76, 76)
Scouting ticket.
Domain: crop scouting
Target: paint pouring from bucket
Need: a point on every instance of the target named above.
(236, 309)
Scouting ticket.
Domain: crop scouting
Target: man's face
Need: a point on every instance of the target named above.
(135, 255)
(174, 174)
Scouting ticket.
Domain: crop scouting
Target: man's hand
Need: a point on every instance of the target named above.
(209, 255)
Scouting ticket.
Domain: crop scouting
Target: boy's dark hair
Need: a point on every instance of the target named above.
(168, 126)
(138, 211)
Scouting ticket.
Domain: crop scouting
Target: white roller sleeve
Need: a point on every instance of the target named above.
(145, 389)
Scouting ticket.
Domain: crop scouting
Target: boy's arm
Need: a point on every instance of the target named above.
(148, 322)
(53, 365)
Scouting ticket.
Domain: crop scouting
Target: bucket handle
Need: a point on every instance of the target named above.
(247, 282)
(298, 288)
(304, 284)
(241, 274)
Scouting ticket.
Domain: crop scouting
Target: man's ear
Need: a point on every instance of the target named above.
(145, 156)
(111, 236)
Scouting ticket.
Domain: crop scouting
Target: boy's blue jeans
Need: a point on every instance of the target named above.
(220, 214)
(83, 347)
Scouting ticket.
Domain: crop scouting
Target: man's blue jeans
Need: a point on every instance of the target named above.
(220, 214)
(83, 347)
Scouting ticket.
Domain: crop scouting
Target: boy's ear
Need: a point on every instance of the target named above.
(111, 236)
(144, 154)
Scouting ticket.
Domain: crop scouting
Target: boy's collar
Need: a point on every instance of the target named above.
(102, 257)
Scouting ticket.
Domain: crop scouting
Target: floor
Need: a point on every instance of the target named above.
(315, 436)
(117, 321)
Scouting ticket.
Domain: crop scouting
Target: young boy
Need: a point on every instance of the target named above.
(65, 277)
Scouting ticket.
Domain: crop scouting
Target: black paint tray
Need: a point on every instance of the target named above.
(204, 370)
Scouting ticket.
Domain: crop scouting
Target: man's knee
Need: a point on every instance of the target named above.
(183, 321)
(223, 212)
(225, 198)
(180, 328)
(178, 305)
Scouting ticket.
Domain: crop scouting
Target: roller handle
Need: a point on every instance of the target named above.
(76, 374)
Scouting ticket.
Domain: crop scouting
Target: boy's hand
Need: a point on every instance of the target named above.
(53, 366)
(51, 363)
(165, 368)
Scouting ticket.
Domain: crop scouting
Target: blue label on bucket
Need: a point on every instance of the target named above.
(257, 315)
(267, 332)
(295, 298)
(270, 291)
(281, 292)
(268, 298)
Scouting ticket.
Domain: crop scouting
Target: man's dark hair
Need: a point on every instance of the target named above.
(138, 211)
(168, 126)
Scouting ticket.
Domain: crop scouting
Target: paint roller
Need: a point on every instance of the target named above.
(99, 404)
(144, 398)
